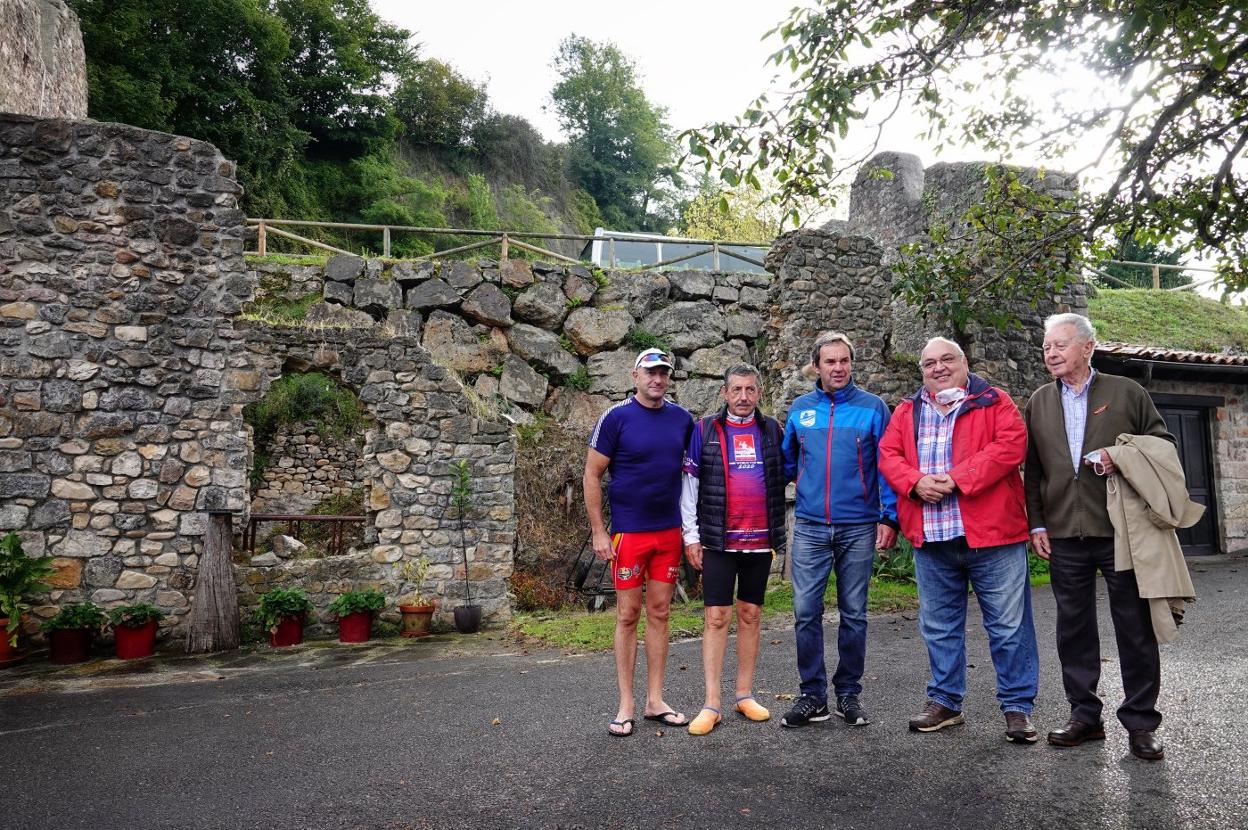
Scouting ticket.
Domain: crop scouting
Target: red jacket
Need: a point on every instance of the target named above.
(989, 444)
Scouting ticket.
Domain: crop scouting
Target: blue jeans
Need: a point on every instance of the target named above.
(999, 577)
(818, 548)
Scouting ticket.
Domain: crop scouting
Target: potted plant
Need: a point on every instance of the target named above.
(467, 616)
(21, 577)
(134, 630)
(354, 611)
(416, 608)
(282, 611)
(70, 632)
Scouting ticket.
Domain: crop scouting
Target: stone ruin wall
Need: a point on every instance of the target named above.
(43, 68)
(123, 378)
(305, 468)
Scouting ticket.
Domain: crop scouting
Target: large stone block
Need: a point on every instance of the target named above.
(488, 304)
(377, 297)
(638, 291)
(543, 305)
(452, 343)
(594, 330)
(686, 326)
(543, 350)
(431, 294)
(611, 373)
(521, 383)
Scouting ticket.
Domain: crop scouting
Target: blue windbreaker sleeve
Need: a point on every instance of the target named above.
(790, 449)
(888, 499)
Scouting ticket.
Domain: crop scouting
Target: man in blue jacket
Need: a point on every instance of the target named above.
(845, 511)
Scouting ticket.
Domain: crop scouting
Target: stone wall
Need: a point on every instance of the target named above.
(120, 268)
(43, 69)
(304, 469)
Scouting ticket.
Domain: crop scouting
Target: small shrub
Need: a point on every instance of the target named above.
(279, 603)
(539, 591)
(899, 566)
(573, 302)
(567, 345)
(139, 613)
(579, 379)
(640, 339)
(77, 615)
(354, 601)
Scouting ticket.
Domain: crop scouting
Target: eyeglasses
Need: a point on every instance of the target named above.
(949, 360)
(654, 357)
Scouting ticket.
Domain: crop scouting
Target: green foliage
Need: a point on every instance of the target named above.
(620, 146)
(21, 577)
(1169, 120)
(76, 615)
(280, 312)
(478, 204)
(566, 344)
(896, 565)
(286, 259)
(279, 603)
(521, 210)
(1132, 248)
(352, 602)
(573, 302)
(579, 380)
(300, 398)
(438, 106)
(727, 213)
(135, 614)
(461, 502)
(641, 339)
(1173, 320)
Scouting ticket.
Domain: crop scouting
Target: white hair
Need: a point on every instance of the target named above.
(946, 342)
(1083, 326)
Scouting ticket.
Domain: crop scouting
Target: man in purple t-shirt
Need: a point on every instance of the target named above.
(641, 442)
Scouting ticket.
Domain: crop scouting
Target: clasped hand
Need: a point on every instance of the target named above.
(932, 487)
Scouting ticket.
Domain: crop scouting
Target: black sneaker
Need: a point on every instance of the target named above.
(808, 709)
(847, 707)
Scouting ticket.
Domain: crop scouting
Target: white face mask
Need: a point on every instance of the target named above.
(945, 397)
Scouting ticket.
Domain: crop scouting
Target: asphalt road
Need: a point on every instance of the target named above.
(429, 737)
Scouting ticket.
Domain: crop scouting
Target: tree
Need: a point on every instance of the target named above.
(437, 106)
(1175, 130)
(1133, 249)
(620, 146)
(728, 214)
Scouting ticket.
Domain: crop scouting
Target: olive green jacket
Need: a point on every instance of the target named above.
(1069, 504)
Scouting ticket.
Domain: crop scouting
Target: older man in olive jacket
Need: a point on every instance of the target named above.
(1070, 422)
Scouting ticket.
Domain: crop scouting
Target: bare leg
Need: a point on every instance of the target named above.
(627, 612)
(658, 607)
(714, 643)
(748, 616)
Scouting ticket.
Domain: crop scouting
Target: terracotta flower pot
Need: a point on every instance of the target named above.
(468, 619)
(416, 619)
(289, 632)
(355, 627)
(69, 645)
(135, 641)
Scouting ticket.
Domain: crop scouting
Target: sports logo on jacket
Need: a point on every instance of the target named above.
(806, 417)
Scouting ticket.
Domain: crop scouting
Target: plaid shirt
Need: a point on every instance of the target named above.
(1075, 414)
(942, 521)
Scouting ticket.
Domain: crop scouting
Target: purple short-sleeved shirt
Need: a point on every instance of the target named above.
(646, 447)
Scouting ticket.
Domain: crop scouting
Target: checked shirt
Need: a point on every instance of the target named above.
(942, 521)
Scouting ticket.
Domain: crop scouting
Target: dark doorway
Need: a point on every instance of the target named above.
(1188, 421)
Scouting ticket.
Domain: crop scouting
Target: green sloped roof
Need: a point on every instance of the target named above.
(1168, 319)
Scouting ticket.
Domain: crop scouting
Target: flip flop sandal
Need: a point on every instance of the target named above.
(668, 718)
(629, 722)
(702, 725)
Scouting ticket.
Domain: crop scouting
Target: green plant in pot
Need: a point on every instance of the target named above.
(354, 611)
(283, 612)
(134, 629)
(21, 577)
(70, 632)
(467, 616)
(416, 608)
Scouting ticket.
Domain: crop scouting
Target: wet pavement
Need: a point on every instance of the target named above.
(480, 732)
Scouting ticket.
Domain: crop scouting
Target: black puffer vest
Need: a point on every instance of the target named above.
(712, 488)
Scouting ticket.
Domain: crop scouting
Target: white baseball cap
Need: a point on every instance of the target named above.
(653, 357)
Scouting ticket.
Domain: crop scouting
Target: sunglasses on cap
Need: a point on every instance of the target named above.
(653, 357)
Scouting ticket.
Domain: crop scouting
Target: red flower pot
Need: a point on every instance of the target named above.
(69, 645)
(135, 641)
(289, 632)
(355, 627)
(10, 654)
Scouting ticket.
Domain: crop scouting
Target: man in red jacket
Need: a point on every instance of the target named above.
(961, 505)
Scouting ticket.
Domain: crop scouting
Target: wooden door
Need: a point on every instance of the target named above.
(1190, 427)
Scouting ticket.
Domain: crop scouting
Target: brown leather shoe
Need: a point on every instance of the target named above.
(1146, 745)
(934, 716)
(1076, 732)
(1019, 729)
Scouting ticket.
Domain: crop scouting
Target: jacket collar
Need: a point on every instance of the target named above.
(979, 394)
(840, 395)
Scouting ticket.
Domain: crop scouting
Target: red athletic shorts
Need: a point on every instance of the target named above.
(653, 554)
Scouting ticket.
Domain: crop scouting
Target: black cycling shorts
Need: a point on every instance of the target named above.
(747, 570)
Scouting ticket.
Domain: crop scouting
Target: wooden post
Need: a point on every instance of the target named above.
(714, 256)
(1156, 277)
(214, 622)
(385, 242)
(611, 252)
(502, 253)
(262, 241)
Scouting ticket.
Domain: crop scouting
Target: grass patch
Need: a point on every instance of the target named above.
(1178, 320)
(584, 631)
(287, 259)
(280, 313)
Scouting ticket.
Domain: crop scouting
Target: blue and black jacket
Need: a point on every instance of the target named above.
(831, 446)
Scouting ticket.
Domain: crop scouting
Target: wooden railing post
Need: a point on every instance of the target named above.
(714, 256)
(262, 242)
(1156, 277)
(385, 242)
(502, 252)
(611, 252)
